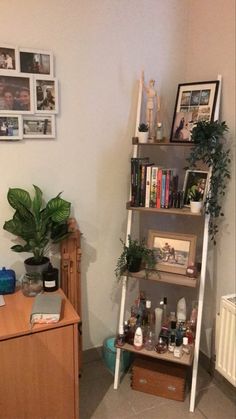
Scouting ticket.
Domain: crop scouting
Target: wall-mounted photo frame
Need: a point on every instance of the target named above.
(46, 95)
(39, 126)
(16, 94)
(9, 59)
(194, 102)
(195, 181)
(11, 127)
(36, 61)
(174, 252)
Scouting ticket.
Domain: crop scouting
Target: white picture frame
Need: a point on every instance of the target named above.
(17, 96)
(36, 61)
(11, 127)
(39, 126)
(9, 59)
(43, 87)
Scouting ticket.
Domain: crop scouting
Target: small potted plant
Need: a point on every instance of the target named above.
(196, 201)
(37, 224)
(143, 133)
(133, 256)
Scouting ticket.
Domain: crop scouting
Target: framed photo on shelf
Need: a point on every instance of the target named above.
(195, 181)
(194, 102)
(174, 252)
(16, 94)
(36, 61)
(10, 127)
(46, 95)
(8, 59)
(39, 126)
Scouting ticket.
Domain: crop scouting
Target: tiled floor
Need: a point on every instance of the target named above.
(99, 400)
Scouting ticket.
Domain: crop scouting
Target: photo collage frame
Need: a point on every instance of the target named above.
(28, 94)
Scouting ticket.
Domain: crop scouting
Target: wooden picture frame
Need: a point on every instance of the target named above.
(36, 61)
(17, 94)
(195, 102)
(174, 251)
(11, 127)
(39, 126)
(195, 180)
(46, 95)
(9, 59)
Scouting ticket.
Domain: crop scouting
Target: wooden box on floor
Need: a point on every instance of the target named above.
(160, 378)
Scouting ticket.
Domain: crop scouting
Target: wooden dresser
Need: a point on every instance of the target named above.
(38, 367)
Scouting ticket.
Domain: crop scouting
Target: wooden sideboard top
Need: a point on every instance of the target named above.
(15, 316)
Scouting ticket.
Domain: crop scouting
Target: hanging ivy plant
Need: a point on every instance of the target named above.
(209, 147)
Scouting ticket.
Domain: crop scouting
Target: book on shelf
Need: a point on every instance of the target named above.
(148, 186)
(46, 309)
(159, 182)
(142, 192)
(135, 179)
(153, 190)
(163, 188)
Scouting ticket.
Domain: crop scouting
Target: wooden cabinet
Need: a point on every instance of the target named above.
(39, 367)
(166, 277)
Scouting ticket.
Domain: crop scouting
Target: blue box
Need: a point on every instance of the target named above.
(7, 281)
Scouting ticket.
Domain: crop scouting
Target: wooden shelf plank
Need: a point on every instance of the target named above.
(174, 211)
(165, 277)
(184, 360)
(164, 142)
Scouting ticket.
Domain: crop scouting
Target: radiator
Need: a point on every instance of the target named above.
(226, 348)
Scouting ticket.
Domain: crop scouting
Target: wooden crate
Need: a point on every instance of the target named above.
(160, 378)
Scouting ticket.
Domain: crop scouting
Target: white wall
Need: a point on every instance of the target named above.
(100, 48)
(211, 51)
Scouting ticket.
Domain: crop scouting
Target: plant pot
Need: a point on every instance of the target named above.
(143, 137)
(134, 265)
(195, 207)
(32, 267)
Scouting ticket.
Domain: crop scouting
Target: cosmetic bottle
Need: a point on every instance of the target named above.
(171, 345)
(178, 352)
(185, 346)
(161, 346)
(149, 342)
(50, 279)
(138, 338)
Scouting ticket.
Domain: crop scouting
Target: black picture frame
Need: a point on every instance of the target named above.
(193, 179)
(195, 102)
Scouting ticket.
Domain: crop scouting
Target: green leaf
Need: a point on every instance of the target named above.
(58, 209)
(37, 201)
(17, 197)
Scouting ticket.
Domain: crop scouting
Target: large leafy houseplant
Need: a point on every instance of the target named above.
(209, 148)
(36, 223)
(133, 252)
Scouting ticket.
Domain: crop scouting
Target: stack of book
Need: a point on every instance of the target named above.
(154, 186)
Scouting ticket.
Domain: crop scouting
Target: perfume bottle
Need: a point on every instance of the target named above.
(159, 132)
(178, 352)
(161, 346)
(185, 346)
(138, 338)
(149, 343)
(171, 345)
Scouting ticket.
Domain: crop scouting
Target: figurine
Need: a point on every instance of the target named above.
(152, 106)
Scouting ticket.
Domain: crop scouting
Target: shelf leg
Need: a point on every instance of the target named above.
(199, 316)
(121, 322)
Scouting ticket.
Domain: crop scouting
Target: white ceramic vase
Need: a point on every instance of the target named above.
(195, 207)
(143, 137)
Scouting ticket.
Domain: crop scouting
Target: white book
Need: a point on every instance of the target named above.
(148, 186)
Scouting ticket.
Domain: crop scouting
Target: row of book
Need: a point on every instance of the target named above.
(154, 186)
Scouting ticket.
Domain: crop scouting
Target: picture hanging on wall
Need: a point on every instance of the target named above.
(16, 94)
(46, 95)
(10, 127)
(39, 126)
(36, 61)
(194, 102)
(195, 183)
(8, 59)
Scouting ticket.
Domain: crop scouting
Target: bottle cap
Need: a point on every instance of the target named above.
(148, 304)
(185, 340)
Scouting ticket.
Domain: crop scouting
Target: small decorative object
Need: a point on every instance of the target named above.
(7, 281)
(194, 102)
(134, 254)
(161, 346)
(143, 133)
(152, 105)
(181, 310)
(209, 148)
(32, 284)
(159, 132)
(191, 271)
(38, 224)
(173, 251)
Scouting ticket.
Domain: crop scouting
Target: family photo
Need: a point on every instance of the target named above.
(7, 58)
(36, 62)
(46, 95)
(10, 127)
(15, 94)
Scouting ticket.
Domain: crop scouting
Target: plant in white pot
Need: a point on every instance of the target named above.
(37, 224)
(143, 130)
(196, 202)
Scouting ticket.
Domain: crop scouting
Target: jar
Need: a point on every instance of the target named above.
(32, 284)
(50, 279)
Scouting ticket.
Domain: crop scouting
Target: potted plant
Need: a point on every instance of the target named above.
(196, 201)
(209, 148)
(134, 254)
(143, 133)
(37, 224)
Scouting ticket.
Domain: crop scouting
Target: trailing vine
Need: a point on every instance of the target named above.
(210, 148)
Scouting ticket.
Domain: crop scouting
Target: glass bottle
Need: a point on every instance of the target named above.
(121, 336)
(149, 342)
(171, 345)
(161, 346)
(178, 352)
(159, 132)
(185, 346)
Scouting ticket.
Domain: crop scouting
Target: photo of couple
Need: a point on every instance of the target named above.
(14, 94)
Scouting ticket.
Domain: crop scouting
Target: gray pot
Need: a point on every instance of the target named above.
(31, 267)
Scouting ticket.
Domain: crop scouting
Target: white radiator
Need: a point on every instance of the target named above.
(226, 348)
